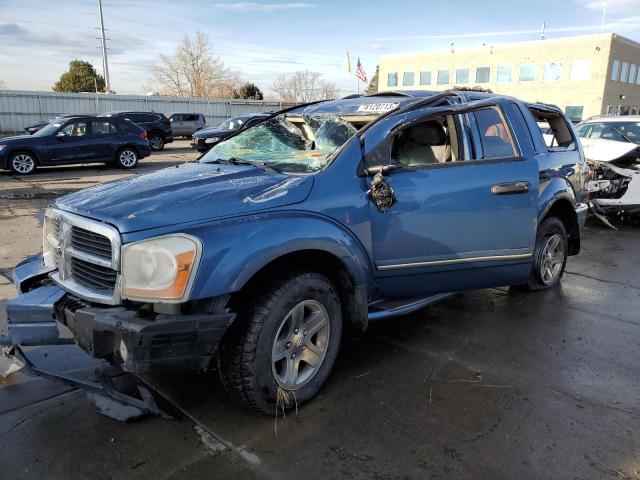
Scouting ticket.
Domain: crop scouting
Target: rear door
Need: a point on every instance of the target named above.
(177, 125)
(466, 203)
(103, 134)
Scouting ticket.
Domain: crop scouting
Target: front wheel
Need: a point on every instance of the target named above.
(283, 345)
(22, 163)
(127, 158)
(549, 256)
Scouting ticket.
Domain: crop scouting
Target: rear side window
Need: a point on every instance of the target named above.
(103, 128)
(559, 138)
(123, 127)
(520, 124)
(494, 134)
(190, 118)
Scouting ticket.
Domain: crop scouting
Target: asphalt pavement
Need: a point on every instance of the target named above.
(489, 384)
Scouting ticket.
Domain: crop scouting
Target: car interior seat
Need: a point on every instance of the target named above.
(423, 144)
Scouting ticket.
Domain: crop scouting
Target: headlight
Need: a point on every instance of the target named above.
(212, 140)
(160, 269)
(50, 240)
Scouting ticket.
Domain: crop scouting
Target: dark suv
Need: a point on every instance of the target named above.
(157, 126)
(79, 139)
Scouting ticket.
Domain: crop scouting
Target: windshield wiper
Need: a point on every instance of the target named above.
(242, 161)
(621, 134)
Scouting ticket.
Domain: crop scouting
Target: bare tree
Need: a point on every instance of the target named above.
(193, 70)
(3, 85)
(303, 86)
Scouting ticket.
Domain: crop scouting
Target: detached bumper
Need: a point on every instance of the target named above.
(123, 337)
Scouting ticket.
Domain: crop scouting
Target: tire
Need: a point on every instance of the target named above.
(156, 142)
(264, 343)
(549, 256)
(23, 163)
(127, 158)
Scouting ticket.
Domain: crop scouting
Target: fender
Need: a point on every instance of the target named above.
(551, 191)
(245, 245)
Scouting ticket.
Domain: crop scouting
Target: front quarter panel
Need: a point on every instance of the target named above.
(235, 249)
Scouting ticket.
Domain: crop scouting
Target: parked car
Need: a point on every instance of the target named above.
(256, 257)
(157, 126)
(79, 139)
(34, 127)
(186, 124)
(613, 139)
(204, 139)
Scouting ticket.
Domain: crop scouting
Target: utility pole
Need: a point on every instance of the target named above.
(105, 62)
(542, 29)
(604, 16)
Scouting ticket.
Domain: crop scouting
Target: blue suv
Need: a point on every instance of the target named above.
(75, 139)
(319, 218)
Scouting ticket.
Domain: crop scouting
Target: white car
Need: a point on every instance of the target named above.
(612, 147)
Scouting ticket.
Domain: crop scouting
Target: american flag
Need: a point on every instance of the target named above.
(360, 73)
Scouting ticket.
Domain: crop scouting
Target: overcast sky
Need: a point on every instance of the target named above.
(264, 39)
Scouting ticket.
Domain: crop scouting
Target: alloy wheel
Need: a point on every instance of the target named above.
(156, 142)
(128, 158)
(300, 345)
(23, 163)
(552, 259)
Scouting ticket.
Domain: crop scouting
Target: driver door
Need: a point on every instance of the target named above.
(465, 206)
(71, 143)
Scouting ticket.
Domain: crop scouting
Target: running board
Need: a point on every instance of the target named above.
(394, 308)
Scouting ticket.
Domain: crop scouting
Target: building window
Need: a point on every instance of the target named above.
(407, 79)
(443, 77)
(392, 79)
(574, 113)
(615, 70)
(624, 71)
(482, 74)
(609, 109)
(425, 77)
(632, 73)
(462, 75)
(552, 71)
(504, 74)
(527, 72)
(580, 70)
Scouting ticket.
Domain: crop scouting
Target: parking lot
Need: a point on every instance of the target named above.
(489, 384)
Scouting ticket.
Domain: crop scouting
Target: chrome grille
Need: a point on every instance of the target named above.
(93, 276)
(87, 257)
(89, 242)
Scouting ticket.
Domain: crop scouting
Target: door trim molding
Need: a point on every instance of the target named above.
(453, 261)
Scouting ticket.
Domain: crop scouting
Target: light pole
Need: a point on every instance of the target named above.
(105, 63)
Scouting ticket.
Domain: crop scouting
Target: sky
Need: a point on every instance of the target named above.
(263, 39)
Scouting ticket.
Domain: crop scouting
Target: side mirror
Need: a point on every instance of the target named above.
(61, 135)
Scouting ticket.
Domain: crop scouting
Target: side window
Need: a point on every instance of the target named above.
(102, 128)
(520, 124)
(560, 138)
(149, 118)
(494, 135)
(190, 118)
(76, 129)
(583, 130)
(122, 127)
(176, 118)
(430, 142)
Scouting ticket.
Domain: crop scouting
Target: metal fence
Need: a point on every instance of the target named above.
(19, 108)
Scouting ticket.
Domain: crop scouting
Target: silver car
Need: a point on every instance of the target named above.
(185, 124)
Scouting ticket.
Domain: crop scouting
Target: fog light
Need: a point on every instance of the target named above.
(124, 353)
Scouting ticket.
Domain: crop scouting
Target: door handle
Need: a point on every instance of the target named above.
(510, 188)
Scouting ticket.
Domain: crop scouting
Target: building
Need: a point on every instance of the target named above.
(585, 76)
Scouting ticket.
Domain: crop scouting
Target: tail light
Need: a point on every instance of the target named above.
(143, 134)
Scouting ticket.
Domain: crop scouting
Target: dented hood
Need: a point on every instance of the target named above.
(185, 193)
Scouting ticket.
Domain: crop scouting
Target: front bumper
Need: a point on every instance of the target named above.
(125, 337)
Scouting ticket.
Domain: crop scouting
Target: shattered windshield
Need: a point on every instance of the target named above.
(291, 142)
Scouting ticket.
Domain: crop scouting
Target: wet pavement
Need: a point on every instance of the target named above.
(489, 384)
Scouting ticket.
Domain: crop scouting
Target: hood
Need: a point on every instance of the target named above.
(186, 193)
(603, 150)
(213, 132)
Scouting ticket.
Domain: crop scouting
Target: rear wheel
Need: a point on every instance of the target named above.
(156, 141)
(549, 256)
(22, 163)
(283, 345)
(127, 158)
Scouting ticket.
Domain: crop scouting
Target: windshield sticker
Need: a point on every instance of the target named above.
(377, 107)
